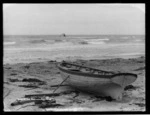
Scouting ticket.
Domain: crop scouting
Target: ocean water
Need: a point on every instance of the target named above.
(27, 48)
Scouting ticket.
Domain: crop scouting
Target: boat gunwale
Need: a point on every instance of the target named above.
(93, 75)
(86, 67)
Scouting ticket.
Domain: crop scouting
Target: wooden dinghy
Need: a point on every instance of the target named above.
(99, 82)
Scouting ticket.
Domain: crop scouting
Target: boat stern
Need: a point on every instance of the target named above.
(124, 79)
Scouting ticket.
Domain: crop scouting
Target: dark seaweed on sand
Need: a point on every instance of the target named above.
(130, 87)
(13, 80)
(31, 80)
(100, 98)
(140, 104)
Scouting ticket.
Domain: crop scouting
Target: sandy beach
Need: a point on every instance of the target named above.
(22, 79)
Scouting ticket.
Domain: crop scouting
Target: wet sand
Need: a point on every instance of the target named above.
(39, 77)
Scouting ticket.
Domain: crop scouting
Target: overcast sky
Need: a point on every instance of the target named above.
(43, 19)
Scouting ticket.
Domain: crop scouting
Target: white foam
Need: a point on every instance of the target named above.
(102, 39)
(80, 37)
(97, 41)
(9, 43)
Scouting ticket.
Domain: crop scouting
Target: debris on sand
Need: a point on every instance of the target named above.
(52, 61)
(20, 102)
(47, 104)
(41, 95)
(13, 74)
(79, 101)
(49, 94)
(47, 99)
(13, 80)
(100, 98)
(140, 104)
(29, 86)
(58, 85)
(27, 67)
(31, 80)
(40, 102)
(8, 68)
(6, 93)
(130, 87)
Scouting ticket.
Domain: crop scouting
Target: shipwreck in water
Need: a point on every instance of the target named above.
(99, 82)
(63, 35)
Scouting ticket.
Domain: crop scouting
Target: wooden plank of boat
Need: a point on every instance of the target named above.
(104, 83)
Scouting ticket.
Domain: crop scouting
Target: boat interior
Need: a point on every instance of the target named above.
(84, 69)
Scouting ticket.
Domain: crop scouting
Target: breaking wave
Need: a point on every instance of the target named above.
(9, 43)
(97, 41)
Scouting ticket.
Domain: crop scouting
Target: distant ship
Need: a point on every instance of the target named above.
(64, 35)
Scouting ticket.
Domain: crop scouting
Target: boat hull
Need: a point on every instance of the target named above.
(96, 81)
(98, 86)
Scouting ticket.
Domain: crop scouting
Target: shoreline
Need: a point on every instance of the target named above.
(73, 58)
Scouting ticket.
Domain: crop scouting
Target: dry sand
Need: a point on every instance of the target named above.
(47, 72)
